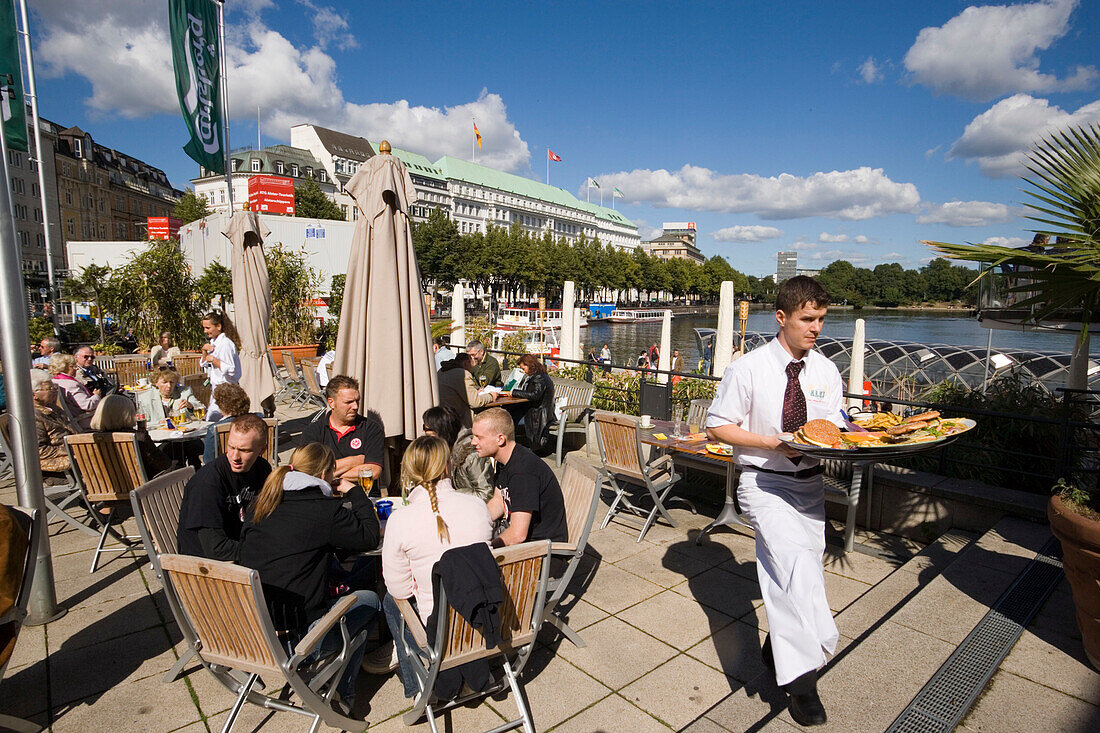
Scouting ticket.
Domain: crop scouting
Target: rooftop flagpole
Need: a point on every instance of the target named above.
(225, 105)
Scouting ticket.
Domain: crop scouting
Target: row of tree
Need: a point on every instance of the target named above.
(508, 260)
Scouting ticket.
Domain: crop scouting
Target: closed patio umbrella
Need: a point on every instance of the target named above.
(252, 303)
(384, 339)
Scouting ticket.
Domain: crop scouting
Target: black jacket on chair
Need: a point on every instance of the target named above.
(539, 389)
(471, 579)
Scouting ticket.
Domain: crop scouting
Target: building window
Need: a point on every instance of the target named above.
(309, 171)
(279, 167)
(255, 165)
(78, 147)
(15, 159)
(38, 215)
(34, 189)
(71, 226)
(294, 169)
(24, 239)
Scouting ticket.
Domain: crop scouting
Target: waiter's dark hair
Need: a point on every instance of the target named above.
(798, 291)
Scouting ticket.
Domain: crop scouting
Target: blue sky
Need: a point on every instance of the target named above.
(843, 130)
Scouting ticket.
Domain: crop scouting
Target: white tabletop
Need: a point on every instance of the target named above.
(190, 430)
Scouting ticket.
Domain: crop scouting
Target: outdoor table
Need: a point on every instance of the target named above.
(697, 449)
(191, 430)
(499, 401)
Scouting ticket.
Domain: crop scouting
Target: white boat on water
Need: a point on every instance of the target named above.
(540, 342)
(635, 316)
(531, 318)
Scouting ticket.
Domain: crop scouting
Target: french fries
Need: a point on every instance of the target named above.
(878, 421)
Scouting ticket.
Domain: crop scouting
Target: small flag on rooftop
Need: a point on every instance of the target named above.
(477, 133)
(551, 155)
(618, 194)
(593, 183)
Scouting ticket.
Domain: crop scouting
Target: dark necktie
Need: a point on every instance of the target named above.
(794, 402)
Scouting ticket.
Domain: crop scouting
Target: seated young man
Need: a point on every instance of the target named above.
(356, 440)
(216, 497)
(527, 494)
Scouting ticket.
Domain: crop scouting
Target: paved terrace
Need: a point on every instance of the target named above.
(673, 632)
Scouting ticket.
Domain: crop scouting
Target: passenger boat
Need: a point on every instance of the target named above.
(635, 316)
(540, 342)
(531, 318)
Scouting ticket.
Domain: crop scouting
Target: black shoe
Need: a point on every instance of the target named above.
(806, 709)
(766, 653)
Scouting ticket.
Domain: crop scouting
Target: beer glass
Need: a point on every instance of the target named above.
(365, 478)
(677, 416)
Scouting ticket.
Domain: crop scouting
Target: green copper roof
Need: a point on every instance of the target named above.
(464, 170)
(417, 164)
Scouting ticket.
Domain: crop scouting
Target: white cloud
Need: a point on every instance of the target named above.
(985, 52)
(861, 193)
(870, 71)
(645, 231)
(747, 233)
(861, 239)
(832, 238)
(121, 47)
(330, 27)
(999, 138)
(1006, 241)
(965, 213)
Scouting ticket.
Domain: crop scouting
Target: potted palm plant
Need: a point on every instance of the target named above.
(1052, 282)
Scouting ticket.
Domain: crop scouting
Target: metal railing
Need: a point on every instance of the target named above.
(1063, 445)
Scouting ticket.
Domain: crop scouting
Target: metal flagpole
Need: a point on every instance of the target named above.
(15, 350)
(259, 144)
(548, 166)
(33, 94)
(225, 104)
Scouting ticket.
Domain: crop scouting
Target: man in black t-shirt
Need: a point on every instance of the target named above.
(527, 491)
(217, 496)
(355, 440)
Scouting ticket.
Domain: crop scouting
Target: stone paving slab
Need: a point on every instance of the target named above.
(1012, 704)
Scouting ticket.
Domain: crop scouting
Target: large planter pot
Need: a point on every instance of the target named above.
(1080, 538)
(300, 351)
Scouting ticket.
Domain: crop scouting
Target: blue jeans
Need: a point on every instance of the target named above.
(404, 666)
(359, 617)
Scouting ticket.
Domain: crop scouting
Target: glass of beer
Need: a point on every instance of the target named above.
(200, 413)
(365, 478)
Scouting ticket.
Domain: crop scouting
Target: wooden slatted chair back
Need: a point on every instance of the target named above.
(309, 374)
(579, 482)
(521, 571)
(188, 364)
(158, 504)
(224, 605)
(129, 371)
(618, 436)
(108, 464)
(272, 452)
(575, 392)
(697, 412)
(199, 387)
(106, 362)
(291, 366)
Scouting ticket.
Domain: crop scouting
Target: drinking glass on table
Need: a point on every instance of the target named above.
(365, 478)
(200, 413)
(677, 416)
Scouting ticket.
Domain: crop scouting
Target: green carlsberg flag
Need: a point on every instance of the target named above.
(195, 58)
(12, 106)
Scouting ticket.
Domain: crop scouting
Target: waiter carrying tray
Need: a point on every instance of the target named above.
(772, 390)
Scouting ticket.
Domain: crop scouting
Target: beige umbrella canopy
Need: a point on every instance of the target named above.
(384, 339)
(252, 303)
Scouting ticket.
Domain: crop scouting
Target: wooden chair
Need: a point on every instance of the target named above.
(199, 386)
(106, 362)
(272, 452)
(59, 497)
(12, 620)
(282, 379)
(575, 398)
(697, 412)
(157, 513)
(107, 467)
(626, 467)
(187, 364)
(580, 487)
(222, 612)
(129, 371)
(295, 374)
(524, 573)
(314, 395)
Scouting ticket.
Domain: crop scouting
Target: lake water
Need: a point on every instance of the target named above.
(627, 340)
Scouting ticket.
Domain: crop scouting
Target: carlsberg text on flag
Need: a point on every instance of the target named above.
(11, 82)
(196, 59)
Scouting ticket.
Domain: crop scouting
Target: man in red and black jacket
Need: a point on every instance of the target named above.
(356, 440)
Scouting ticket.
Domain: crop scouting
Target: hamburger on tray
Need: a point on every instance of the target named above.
(883, 429)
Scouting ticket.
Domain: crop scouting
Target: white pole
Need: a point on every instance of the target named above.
(33, 94)
(458, 316)
(855, 371)
(568, 296)
(259, 143)
(723, 340)
(1078, 377)
(548, 166)
(15, 351)
(665, 359)
(225, 108)
(577, 331)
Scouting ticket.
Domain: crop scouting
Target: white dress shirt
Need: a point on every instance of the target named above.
(751, 396)
(226, 354)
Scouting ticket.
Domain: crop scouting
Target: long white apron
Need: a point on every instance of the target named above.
(788, 515)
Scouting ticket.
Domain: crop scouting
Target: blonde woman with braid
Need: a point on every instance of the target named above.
(436, 518)
(293, 528)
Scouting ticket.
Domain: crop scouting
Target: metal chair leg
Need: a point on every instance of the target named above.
(236, 710)
(172, 674)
